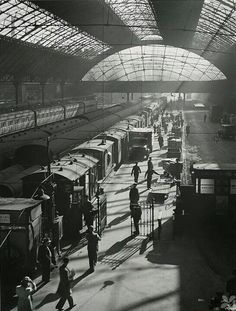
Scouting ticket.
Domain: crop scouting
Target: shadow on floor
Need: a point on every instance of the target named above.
(122, 251)
(193, 256)
(118, 220)
(48, 299)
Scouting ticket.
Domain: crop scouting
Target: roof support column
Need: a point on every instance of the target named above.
(42, 84)
(18, 92)
(62, 86)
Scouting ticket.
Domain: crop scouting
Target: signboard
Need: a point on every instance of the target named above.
(233, 186)
(4, 218)
(207, 186)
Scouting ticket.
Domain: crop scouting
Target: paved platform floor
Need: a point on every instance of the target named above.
(135, 274)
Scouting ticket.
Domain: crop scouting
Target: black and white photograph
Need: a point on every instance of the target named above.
(118, 155)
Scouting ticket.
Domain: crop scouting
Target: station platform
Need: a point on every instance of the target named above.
(134, 273)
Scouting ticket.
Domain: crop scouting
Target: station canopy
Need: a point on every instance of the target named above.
(185, 37)
(154, 63)
(138, 16)
(27, 22)
(216, 29)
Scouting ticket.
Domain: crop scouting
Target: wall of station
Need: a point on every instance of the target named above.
(31, 93)
(107, 99)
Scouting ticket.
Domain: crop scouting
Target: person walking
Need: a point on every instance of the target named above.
(160, 141)
(64, 287)
(149, 174)
(44, 258)
(187, 129)
(92, 246)
(154, 128)
(136, 171)
(89, 212)
(150, 164)
(205, 117)
(24, 292)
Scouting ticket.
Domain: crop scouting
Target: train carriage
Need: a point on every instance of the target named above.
(101, 150)
(16, 121)
(135, 120)
(49, 115)
(116, 137)
(121, 128)
(71, 110)
(74, 176)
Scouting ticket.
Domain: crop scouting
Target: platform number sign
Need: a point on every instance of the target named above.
(207, 186)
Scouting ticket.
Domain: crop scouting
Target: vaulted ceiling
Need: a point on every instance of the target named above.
(206, 28)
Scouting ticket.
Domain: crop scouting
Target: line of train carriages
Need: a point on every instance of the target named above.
(61, 188)
(30, 118)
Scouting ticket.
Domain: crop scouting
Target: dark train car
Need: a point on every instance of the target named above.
(74, 176)
(13, 185)
(122, 129)
(22, 217)
(215, 190)
(117, 138)
(216, 113)
(140, 143)
(100, 149)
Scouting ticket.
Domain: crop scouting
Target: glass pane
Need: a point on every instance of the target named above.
(137, 15)
(154, 63)
(27, 22)
(216, 28)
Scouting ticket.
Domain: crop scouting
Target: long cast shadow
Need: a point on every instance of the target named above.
(118, 220)
(117, 247)
(179, 250)
(47, 299)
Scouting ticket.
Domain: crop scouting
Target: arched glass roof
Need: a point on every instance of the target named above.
(137, 15)
(216, 29)
(27, 22)
(154, 63)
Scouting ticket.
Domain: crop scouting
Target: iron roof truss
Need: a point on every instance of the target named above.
(25, 21)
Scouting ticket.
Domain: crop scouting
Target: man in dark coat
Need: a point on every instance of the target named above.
(44, 258)
(160, 141)
(64, 288)
(136, 171)
(89, 212)
(134, 194)
(187, 129)
(92, 246)
(150, 164)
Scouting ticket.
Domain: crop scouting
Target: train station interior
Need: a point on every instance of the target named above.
(117, 155)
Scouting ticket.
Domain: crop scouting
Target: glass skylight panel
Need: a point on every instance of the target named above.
(216, 27)
(152, 61)
(27, 22)
(137, 15)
